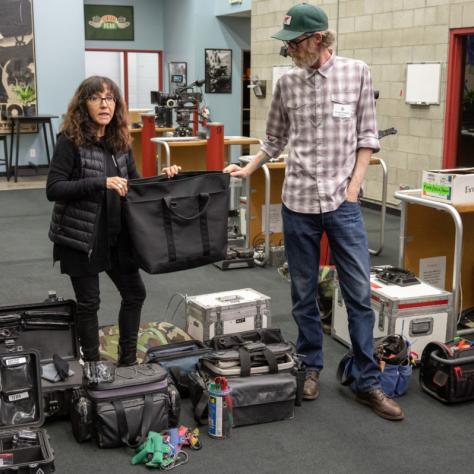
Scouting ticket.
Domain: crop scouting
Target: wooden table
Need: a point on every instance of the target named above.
(15, 124)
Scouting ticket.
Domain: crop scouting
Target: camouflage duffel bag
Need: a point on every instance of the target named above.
(149, 335)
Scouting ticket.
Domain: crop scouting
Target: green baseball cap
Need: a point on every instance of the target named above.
(301, 19)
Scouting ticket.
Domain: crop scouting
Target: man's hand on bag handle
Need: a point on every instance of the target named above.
(258, 160)
(171, 171)
(117, 184)
(236, 171)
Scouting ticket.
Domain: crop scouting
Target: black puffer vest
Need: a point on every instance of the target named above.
(73, 223)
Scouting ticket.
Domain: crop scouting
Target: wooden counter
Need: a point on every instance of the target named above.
(192, 155)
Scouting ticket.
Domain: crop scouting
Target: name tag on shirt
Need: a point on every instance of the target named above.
(342, 110)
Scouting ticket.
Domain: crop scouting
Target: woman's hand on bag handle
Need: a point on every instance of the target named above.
(117, 184)
(171, 171)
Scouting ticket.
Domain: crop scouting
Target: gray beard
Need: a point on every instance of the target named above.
(307, 61)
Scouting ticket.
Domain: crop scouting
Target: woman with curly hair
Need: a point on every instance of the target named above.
(88, 176)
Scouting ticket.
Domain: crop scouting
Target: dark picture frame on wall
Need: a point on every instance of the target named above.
(218, 71)
(109, 22)
(178, 75)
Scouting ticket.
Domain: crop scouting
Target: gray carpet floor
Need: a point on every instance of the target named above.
(331, 435)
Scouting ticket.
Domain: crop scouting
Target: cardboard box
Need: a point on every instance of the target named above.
(453, 186)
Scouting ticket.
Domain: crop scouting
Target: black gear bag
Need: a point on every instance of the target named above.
(447, 370)
(140, 399)
(180, 222)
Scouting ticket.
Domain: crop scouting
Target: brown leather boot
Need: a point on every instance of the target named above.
(381, 404)
(311, 385)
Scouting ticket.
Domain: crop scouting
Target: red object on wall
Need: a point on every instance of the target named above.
(324, 251)
(454, 93)
(215, 147)
(148, 147)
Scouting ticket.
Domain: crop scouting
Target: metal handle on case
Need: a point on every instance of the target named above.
(466, 360)
(229, 299)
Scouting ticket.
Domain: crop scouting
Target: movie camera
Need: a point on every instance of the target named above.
(185, 101)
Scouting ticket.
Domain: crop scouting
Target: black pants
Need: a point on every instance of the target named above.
(133, 293)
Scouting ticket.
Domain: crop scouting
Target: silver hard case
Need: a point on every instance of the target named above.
(226, 312)
(421, 313)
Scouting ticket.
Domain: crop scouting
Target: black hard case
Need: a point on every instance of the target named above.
(49, 328)
(26, 460)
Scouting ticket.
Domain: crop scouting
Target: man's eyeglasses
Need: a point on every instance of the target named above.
(96, 100)
(294, 43)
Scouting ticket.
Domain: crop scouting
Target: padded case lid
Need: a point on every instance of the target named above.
(48, 327)
(21, 400)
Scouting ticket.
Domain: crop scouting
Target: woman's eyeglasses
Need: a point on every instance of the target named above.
(96, 100)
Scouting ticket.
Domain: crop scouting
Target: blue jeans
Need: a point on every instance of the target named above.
(349, 248)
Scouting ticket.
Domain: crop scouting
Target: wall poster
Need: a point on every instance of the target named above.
(108, 22)
(218, 71)
(17, 63)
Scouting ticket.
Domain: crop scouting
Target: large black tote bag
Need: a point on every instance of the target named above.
(180, 222)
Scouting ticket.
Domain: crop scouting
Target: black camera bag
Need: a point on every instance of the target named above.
(142, 398)
(179, 358)
(265, 378)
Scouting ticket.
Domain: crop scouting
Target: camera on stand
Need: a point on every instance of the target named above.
(185, 102)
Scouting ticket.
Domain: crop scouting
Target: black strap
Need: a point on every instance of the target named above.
(201, 407)
(271, 359)
(167, 221)
(144, 426)
(245, 362)
(176, 374)
(206, 247)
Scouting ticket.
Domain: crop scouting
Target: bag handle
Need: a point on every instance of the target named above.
(344, 375)
(145, 423)
(168, 200)
(201, 407)
(245, 357)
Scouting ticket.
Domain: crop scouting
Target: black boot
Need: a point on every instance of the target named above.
(127, 355)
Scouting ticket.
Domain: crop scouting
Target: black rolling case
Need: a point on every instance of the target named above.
(24, 446)
(49, 328)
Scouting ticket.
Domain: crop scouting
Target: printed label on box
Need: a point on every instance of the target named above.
(439, 190)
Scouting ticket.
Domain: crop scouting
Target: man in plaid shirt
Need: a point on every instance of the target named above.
(324, 110)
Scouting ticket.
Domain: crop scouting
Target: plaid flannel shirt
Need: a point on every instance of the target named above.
(325, 115)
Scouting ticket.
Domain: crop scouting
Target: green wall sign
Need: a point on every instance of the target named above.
(108, 22)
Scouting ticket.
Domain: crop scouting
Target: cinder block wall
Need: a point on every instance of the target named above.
(387, 34)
